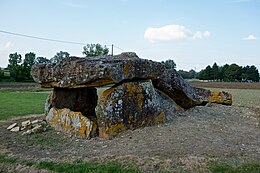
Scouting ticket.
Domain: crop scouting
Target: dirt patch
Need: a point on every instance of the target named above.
(226, 85)
(192, 137)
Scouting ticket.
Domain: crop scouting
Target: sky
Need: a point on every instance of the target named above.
(194, 33)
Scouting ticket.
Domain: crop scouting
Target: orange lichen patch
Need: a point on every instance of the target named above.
(107, 133)
(127, 68)
(136, 92)
(70, 122)
(221, 97)
(160, 118)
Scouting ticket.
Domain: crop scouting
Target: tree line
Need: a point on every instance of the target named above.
(226, 73)
(19, 68)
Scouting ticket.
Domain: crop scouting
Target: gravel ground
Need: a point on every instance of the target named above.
(192, 137)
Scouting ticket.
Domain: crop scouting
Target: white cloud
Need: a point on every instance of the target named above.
(250, 37)
(173, 33)
(6, 46)
(4, 49)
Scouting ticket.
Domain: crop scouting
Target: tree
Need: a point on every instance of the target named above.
(250, 73)
(169, 64)
(233, 73)
(222, 71)
(15, 67)
(188, 74)
(42, 60)
(28, 62)
(59, 56)
(2, 75)
(92, 50)
(14, 60)
(184, 74)
(193, 74)
(215, 72)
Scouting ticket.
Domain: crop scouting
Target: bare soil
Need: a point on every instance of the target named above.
(189, 139)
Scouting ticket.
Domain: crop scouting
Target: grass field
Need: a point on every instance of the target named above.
(20, 103)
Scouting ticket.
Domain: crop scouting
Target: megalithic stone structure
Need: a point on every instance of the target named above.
(143, 93)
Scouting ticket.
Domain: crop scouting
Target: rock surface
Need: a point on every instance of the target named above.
(11, 126)
(184, 94)
(74, 72)
(73, 123)
(26, 123)
(15, 129)
(128, 106)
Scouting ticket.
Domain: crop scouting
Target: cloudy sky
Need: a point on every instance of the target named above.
(193, 33)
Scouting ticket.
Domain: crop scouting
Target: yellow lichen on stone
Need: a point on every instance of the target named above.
(220, 97)
(70, 122)
(107, 133)
(127, 68)
(135, 91)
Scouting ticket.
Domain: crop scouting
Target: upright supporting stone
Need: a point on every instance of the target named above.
(73, 123)
(128, 106)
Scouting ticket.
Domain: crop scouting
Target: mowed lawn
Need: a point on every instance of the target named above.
(20, 103)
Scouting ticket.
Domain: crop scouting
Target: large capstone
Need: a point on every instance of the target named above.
(74, 72)
(128, 106)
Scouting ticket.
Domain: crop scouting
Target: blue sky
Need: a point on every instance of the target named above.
(193, 33)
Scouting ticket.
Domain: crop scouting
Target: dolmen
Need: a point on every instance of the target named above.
(103, 96)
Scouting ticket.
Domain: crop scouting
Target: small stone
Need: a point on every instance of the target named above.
(36, 121)
(37, 128)
(22, 128)
(26, 123)
(27, 132)
(11, 126)
(15, 129)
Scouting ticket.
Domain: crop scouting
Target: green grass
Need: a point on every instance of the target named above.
(19, 103)
(218, 167)
(5, 159)
(78, 167)
(88, 167)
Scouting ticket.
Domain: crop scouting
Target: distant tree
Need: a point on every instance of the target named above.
(14, 60)
(92, 50)
(184, 74)
(187, 74)
(209, 73)
(215, 72)
(2, 75)
(250, 73)
(42, 60)
(28, 62)
(59, 56)
(169, 64)
(15, 67)
(193, 74)
(222, 71)
(233, 73)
